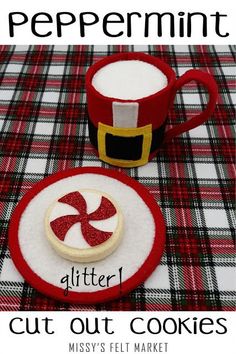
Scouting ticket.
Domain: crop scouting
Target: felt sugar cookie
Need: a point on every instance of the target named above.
(84, 225)
(86, 235)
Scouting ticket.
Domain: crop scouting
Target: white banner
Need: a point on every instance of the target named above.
(120, 22)
(117, 332)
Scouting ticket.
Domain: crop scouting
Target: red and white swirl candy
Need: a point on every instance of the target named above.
(84, 225)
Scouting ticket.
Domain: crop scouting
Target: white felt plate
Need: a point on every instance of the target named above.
(138, 254)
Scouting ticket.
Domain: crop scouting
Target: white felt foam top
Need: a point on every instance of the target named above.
(139, 231)
(129, 79)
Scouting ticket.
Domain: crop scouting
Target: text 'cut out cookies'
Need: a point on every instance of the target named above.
(84, 225)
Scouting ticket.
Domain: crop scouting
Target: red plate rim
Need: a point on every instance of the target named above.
(108, 294)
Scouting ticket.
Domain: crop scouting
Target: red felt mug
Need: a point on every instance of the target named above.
(129, 132)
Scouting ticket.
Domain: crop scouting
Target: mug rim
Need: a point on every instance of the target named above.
(158, 63)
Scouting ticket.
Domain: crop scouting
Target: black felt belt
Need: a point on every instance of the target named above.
(126, 148)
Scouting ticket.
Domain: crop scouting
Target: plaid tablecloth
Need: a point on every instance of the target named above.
(43, 123)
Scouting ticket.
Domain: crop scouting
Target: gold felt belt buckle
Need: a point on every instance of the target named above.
(145, 131)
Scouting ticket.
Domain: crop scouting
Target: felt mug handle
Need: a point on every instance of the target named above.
(209, 83)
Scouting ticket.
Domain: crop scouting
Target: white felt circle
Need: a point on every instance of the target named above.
(138, 237)
(129, 79)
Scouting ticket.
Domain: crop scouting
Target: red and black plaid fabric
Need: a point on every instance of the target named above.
(43, 122)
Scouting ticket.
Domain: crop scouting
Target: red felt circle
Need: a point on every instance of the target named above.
(114, 292)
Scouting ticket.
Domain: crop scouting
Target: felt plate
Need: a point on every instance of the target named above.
(129, 265)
